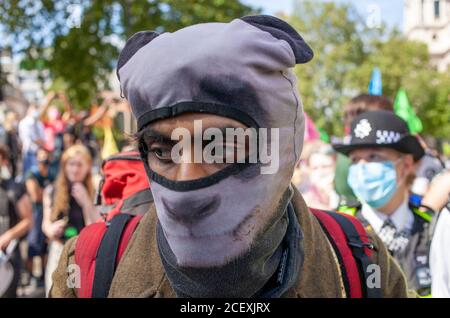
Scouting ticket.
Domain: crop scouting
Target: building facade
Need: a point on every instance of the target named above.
(25, 83)
(428, 21)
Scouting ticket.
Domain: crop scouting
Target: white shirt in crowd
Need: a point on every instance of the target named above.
(30, 130)
(402, 218)
(440, 257)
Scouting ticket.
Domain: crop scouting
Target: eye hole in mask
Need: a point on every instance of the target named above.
(212, 157)
(183, 161)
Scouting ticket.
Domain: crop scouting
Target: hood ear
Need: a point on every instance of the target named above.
(134, 43)
(282, 31)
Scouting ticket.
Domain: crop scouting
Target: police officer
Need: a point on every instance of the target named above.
(384, 157)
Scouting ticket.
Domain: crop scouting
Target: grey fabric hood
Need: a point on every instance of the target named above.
(239, 69)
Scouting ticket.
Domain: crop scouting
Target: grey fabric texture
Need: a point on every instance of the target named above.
(234, 65)
(243, 68)
(268, 270)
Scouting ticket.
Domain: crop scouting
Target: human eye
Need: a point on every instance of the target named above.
(374, 157)
(354, 160)
(160, 152)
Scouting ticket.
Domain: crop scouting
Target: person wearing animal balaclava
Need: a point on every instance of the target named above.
(223, 229)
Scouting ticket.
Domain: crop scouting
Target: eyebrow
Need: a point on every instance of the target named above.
(158, 136)
(153, 135)
(223, 129)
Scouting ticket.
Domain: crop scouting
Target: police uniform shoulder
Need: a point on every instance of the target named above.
(422, 211)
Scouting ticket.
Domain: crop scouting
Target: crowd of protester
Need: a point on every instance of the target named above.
(48, 158)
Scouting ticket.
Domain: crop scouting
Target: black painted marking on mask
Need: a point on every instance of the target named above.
(191, 210)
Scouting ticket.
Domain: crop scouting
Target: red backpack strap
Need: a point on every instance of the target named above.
(353, 250)
(127, 234)
(110, 251)
(361, 248)
(86, 249)
(99, 249)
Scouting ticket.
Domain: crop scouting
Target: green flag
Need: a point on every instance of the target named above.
(446, 149)
(323, 135)
(403, 109)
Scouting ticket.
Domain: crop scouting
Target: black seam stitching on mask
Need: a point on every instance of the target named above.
(198, 183)
(199, 107)
(191, 184)
(296, 115)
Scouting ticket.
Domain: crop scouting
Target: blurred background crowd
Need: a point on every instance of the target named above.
(61, 111)
(49, 171)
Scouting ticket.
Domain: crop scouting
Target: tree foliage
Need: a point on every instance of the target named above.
(80, 55)
(346, 51)
(78, 40)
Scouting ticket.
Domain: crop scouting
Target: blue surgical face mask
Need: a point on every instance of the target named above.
(373, 183)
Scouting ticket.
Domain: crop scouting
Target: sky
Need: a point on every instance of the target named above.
(390, 11)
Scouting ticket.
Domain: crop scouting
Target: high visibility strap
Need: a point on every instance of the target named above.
(348, 210)
(424, 215)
